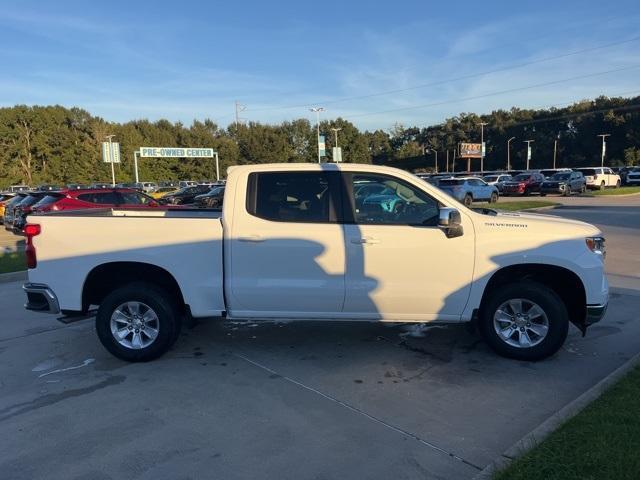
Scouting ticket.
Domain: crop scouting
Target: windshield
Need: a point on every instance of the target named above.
(492, 178)
(48, 200)
(561, 176)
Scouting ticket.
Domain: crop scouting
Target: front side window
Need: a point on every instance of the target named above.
(399, 203)
(290, 196)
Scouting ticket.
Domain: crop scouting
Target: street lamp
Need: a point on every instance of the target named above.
(604, 146)
(509, 153)
(436, 154)
(482, 124)
(528, 142)
(317, 111)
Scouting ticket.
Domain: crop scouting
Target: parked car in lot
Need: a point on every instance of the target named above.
(185, 195)
(564, 183)
(22, 209)
(497, 180)
(633, 176)
(94, 198)
(548, 173)
(291, 242)
(211, 199)
(599, 178)
(523, 184)
(4, 199)
(8, 209)
(187, 183)
(469, 189)
(162, 191)
(18, 188)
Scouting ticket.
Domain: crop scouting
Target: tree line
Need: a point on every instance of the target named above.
(58, 145)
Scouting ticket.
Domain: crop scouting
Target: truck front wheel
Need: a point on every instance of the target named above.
(524, 321)
(138, 322)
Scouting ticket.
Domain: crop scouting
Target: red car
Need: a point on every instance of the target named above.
(523, 184)
(94, 198)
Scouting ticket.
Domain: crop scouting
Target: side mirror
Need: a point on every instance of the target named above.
(451, 222)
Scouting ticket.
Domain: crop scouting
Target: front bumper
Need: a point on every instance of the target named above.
(40, 298)
(595, 313)
(552, 189)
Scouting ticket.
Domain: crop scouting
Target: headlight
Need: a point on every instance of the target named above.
(596, 245)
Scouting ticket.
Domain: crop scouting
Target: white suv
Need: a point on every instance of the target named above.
(599, 178)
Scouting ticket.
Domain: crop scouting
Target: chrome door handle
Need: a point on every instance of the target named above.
(252, 238)
(365, 241)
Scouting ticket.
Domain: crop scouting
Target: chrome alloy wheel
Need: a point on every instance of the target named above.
(521, 323)
(134, 325)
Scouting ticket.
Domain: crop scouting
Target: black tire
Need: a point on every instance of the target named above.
(526, 192)
(543, 194)
(583, 189)
(546, 299)
(567, 191)
(602, 185)
(169, 320)
(618, 184)
(468, 200)
(494, 198)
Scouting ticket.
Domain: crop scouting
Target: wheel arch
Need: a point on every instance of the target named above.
(104, 278)
(565, 283)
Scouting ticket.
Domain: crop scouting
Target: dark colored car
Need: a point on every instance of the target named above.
(184, 195)
(211, 199)
(632, 176)
(22, 209)
(9, 206)
(564, 183)
(523, 184)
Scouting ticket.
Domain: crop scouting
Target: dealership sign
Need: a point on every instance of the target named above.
(173, 152)
(471, 150)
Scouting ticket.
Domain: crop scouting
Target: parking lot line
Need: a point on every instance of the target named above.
(360, 412)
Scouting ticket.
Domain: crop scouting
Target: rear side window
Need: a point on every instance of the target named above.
(291, 197)
(133, 198)
(450, 183)
(106, 198)
(48, 200)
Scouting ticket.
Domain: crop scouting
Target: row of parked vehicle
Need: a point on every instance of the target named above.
(469, 187)
(17, 204)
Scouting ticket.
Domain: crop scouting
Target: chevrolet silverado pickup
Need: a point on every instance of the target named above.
(319, 242)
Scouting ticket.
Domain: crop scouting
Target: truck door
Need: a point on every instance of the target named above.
(286, 248)
(400, 265)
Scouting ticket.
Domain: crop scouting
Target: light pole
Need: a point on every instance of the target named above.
(317, 111)
(335, 133)
(113, 173)
(436, 153)
(604, 146)
(217, 166)
(509, 153)
(528, 142)
(135, 164)
(482, 124)
(555, 151)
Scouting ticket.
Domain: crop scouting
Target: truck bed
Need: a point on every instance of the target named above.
(186, 243)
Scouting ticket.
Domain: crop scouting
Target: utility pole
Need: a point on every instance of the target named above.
(239, 108)
(604, 147)
(528, 142)
(447, 160)
(317, 111)
(509, 153)
(453, 165)
(555, 150)
(482, 124)
(113, 173)
(436, 153)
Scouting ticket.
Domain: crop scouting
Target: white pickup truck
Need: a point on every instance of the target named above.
(320, 242)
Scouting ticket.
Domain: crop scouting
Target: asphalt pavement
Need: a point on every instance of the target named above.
(296, 400)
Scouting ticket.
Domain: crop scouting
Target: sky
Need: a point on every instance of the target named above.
(373, 63)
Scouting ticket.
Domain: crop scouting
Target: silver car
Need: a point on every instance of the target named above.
(469, 189)
(498, 180)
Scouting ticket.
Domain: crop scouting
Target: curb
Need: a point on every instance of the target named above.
(13, 276)
(538, 434)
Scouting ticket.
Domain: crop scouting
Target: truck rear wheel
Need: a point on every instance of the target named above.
(524, 321)
(468, 200)
(138, 322)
